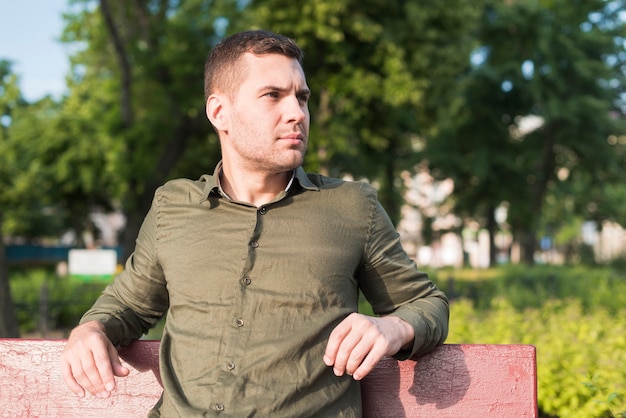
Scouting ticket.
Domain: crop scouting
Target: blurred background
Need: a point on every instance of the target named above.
(494, 132)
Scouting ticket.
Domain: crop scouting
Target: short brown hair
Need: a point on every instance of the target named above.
(221, 70)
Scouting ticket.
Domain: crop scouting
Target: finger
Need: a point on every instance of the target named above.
(77, 369)
(96, 373)
(346, 348)
(87, 376)
(357, 355)
(334, 341)
(375, 354)
(116, 364)
(104, 369)
(68, 378)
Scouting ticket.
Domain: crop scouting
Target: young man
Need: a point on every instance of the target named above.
(258, 267)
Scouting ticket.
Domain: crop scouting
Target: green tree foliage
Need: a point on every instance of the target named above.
(53, 170)
(137, 91)
(557, 60)
(10, 99)
(44, 180)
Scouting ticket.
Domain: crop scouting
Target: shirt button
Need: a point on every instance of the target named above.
(218, 407)
(230, 365)
(240, 322)
(247, 281)
(254, 244)
(263, 210)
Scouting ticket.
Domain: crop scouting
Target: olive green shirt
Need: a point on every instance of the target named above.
(252, 293)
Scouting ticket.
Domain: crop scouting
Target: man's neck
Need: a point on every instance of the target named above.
(254, 188)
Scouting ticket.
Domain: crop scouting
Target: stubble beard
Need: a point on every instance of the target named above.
(272, 161)
(283, 161)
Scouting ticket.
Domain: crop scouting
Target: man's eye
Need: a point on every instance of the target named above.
(271, 94)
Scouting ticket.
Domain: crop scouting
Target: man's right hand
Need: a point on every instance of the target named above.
(89, 361)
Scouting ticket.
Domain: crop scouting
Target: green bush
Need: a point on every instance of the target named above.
(39, 294)
(527, 287)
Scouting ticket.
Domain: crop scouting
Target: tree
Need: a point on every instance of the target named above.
(569, 76)
(41, 183)
(555, 61)
(140, 77)
(474, 151)
(10, 97)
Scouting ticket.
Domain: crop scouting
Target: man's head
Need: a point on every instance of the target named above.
(224, 69)
(257, 101)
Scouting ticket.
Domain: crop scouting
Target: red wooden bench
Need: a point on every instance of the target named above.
(453, 381)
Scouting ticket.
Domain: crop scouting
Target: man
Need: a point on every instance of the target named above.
(258, 267)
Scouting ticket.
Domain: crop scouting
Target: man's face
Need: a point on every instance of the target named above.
(268, 116)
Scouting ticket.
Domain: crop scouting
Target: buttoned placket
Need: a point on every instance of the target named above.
(246, 281)
(234, 345)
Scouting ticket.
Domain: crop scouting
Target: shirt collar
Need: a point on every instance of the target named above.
(212, 183)
(304, 180)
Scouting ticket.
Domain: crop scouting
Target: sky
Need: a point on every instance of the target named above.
(29, 33)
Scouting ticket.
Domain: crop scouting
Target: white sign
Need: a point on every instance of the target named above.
(92, 262)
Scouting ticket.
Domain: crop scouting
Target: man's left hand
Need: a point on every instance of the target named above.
(358, 343)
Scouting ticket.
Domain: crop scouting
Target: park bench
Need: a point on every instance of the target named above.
(453, 381)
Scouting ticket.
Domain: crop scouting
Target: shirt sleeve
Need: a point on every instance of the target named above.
(393, 285)
(138, 298)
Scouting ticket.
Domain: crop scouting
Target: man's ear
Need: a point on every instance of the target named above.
(216, 112)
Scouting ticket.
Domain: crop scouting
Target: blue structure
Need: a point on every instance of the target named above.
(39, 254)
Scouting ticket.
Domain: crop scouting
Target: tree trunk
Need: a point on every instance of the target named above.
(527, 247)
(388, 195)
(185, 126)
(129, 235)
(492, 227)
(8, 320)
(124, 64)
(544, 171)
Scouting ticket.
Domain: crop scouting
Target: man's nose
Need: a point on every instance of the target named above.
(295, 110)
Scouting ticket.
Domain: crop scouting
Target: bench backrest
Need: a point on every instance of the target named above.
(453, 381)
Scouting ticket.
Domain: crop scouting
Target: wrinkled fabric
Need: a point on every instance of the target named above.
(251, 295)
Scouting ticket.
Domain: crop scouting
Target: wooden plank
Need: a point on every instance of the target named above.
(453, 381)
(32, 385)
